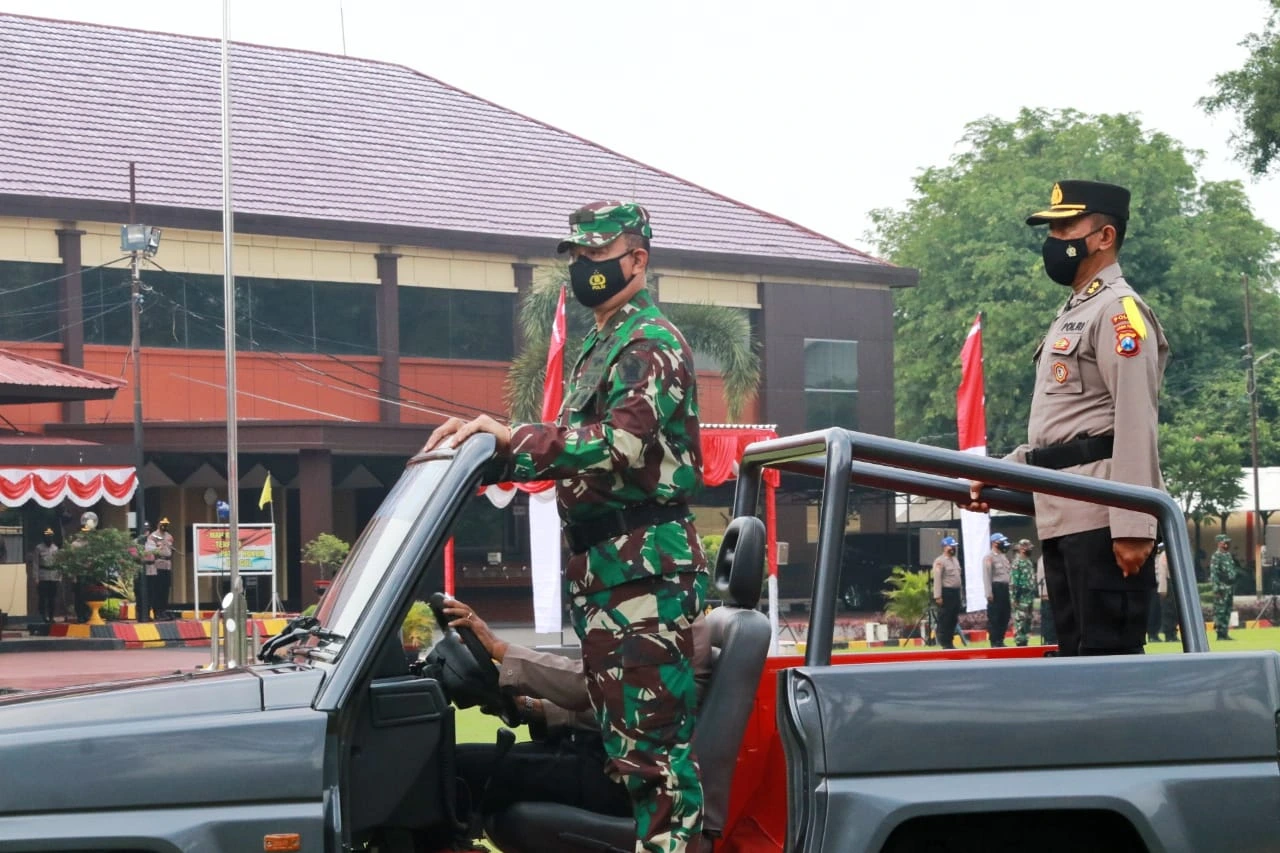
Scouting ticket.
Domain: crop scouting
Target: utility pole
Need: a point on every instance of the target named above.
(140, 591)
(1259, 532)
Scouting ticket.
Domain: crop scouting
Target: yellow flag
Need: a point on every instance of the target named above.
(266, 492)
(1134, 315)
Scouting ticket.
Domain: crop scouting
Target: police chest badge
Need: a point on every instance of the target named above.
(1060, 373)
(1062, 344)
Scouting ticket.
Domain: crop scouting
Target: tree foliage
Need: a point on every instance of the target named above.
(326, 551)
(717, 333)
(1188, 243)
(1252, 93)
(1201, 469)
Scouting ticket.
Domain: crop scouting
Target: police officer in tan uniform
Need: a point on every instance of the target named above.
(1093, 412)
(948, 580)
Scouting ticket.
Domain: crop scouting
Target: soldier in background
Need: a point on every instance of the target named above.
(1022, 588)
(1160, 600)
(948, 578)
(995, 581)
(1222, 573)
(626, 457)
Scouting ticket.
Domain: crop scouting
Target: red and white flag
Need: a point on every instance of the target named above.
(971, 424)
(553, 383)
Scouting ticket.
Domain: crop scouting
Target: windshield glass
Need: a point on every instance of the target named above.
(366, 566)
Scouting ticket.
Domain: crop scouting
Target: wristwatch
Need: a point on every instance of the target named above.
(528, 704)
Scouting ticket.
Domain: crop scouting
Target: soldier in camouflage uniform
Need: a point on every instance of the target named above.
(1022, 587)
(626, 454)
(1222, 572)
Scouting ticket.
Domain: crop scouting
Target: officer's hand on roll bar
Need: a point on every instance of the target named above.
(1130, 554)
(975, 504)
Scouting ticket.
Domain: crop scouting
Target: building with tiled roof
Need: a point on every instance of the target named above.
(386, 226)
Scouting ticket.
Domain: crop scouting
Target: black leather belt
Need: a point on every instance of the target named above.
(582, 535)
(1081, 451)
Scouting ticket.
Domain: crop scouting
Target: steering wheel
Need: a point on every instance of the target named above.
(468, 673)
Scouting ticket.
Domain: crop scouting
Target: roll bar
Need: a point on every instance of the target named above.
(843, 457)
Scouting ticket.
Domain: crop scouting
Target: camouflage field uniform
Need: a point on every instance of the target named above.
(627, 436)
(1222, 572)
(1022, 586)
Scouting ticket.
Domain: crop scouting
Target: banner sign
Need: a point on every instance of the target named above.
(257, 549)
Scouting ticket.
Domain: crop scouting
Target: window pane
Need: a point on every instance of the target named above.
(830, 408)
(204, 310)
(281, 315)
(480, 325)
(346, 318)
(424, 322)
(30, 313)
(163, 320)
(830, 365)
(438, 323)
(106, 307)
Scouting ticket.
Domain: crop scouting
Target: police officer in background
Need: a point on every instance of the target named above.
(627, 457)
(947, 581)
(1093, 412)
(996, 570)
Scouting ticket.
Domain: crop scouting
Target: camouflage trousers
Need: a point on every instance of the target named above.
(1223, 598)
(1024, 601)
(637, 654)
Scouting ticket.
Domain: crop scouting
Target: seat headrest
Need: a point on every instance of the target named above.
(740, 562)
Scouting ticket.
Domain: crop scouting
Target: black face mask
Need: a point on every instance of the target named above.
(596, 282)
(1062, 258)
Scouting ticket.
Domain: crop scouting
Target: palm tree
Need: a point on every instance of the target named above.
(718, 333)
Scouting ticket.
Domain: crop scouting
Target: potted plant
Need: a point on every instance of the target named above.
(909, 596)
(328, 552)
(98, 560)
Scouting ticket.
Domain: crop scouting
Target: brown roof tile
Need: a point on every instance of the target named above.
(328, 138)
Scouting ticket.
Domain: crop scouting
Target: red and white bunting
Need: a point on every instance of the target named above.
(49, 487)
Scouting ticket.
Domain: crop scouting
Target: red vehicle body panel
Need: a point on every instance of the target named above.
(757, 820)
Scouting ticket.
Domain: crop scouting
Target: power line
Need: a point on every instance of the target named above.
(61, 277)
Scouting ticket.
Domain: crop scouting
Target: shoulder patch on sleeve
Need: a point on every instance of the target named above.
(1134, 316)
(634, 364)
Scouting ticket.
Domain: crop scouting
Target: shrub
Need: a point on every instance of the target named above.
(711, 544)
(99, 557)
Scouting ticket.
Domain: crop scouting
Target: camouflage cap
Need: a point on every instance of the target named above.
(1024, 543)
(601, 222)
(1222, 537)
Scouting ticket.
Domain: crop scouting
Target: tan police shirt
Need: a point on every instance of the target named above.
(995, 569)
(1162, 574)
(946, 574)
(1098, 372)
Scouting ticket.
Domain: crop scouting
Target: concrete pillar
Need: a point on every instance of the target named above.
(388, 335)
(315, 499)
(71, 311)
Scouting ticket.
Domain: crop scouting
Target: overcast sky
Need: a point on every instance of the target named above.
(815, 111)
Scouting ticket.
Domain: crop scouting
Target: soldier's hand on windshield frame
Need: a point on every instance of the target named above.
(442, 432)
(484, 423)
(975, 504)
(1131, 554)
